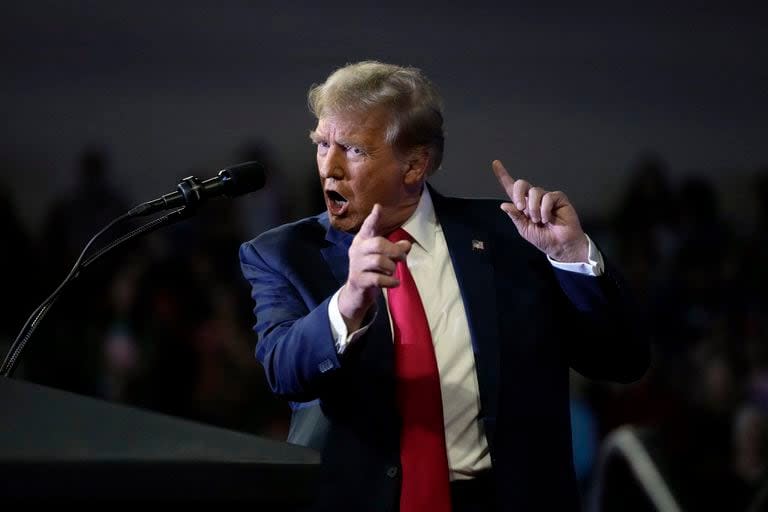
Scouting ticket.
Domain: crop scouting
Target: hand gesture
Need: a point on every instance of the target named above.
(545, 219)
(372, 261)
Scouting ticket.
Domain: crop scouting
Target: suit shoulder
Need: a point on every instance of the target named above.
(302, 231)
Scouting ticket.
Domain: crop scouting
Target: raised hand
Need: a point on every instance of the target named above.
(545, 219)
(372, 261)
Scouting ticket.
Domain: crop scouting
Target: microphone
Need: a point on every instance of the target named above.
(191, 192)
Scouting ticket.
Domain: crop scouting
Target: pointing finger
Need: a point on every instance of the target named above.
(382, 246)
(370, 224)
(503, 176)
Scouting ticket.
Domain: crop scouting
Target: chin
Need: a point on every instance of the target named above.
(345, 224)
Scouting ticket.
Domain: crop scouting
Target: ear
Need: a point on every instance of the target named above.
(416, 165)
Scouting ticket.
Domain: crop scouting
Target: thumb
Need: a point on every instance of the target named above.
(517, 216)
(370, 226)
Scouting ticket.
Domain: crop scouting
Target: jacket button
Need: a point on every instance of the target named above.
(392, 472)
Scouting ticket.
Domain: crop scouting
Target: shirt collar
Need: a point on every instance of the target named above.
(423, 223)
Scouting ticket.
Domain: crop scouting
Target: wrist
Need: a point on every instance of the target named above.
(352, 307)
(574, 252)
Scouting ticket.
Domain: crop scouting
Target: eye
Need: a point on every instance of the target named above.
(355, 151)
(322, 146)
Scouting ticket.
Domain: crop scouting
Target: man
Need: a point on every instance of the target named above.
(432, 360)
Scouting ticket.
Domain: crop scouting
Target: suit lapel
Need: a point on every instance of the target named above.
(471, 250)
(336, 252)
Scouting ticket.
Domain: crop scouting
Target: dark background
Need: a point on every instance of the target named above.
(651, 117)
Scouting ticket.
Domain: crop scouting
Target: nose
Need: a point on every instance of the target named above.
(331, 165)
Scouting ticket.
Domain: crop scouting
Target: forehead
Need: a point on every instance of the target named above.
(370, 124)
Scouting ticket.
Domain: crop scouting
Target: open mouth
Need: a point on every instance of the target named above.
(337, 203)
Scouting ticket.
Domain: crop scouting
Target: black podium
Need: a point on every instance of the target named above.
(60, 446)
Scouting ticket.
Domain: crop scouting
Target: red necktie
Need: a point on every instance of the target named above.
(425, 485)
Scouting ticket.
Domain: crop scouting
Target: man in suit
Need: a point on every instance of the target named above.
(509, 296)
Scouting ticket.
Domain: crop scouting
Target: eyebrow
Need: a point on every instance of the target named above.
(317, 137)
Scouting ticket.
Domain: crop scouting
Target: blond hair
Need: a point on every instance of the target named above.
(415, 104)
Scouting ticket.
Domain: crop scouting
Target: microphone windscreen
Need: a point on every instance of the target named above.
(243, 178)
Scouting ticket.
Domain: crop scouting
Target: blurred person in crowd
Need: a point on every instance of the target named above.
(18, 259)
(425, 342)
(688, 300)
(71, 220)
(122, 355)
(170, 305)
(643, 224)
(755, 281)
(700, 223)
(585, 432)
(646, 205)
(77, 215)
(270, 207)
(231, 390)
(750, 444)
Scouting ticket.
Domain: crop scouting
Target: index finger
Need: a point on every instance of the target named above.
(503, 176)
(370, 226)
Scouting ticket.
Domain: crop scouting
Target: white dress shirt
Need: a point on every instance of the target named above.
(432, 270)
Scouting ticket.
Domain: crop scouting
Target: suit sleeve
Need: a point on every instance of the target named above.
(295, 343)
(609, 341)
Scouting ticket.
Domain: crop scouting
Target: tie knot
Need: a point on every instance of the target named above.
(399, 234)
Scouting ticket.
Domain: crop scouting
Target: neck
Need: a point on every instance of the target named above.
(406, 207)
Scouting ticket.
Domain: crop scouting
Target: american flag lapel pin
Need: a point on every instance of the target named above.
(478, 245)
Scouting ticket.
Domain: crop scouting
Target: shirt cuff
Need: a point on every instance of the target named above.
(341, 337)
(593, 267)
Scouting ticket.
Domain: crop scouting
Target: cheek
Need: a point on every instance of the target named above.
(386, 185)
(371, 185)
(367, 191)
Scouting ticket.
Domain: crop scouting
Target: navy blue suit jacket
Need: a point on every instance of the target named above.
(530, 323)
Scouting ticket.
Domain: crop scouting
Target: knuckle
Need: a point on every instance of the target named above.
(369, 261)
